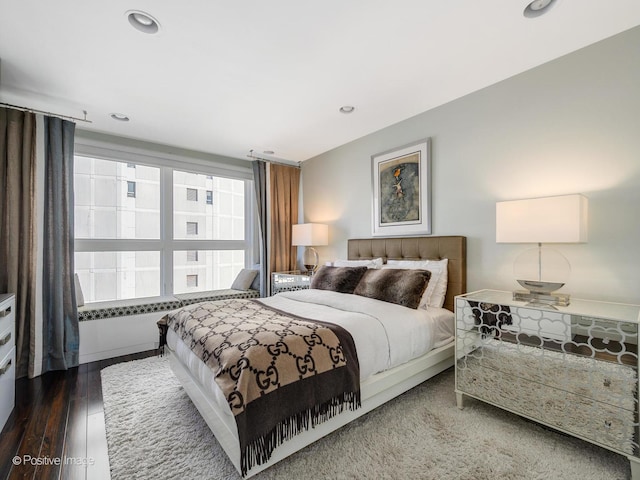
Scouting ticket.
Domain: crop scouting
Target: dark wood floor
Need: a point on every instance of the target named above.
(56, 430)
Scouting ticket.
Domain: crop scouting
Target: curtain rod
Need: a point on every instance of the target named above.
(34, 110)
(253, 156)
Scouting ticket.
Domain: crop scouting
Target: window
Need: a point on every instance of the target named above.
(192, 194)
(209, 197)
(225, 221)
(192, 228)
(114, 275)
(215, 269)
(153, 247)
(102, 213)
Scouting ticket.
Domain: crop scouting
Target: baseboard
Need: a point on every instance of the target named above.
(118, 352)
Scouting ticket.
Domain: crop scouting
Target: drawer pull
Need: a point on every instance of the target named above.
(607, 424)
(6, 312)
(5, 340)
(607, 382)
(4, 369)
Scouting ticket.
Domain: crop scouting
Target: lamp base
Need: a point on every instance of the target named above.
(310, 260)
(538, 298)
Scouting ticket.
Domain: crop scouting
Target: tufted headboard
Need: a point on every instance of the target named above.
(453, 248)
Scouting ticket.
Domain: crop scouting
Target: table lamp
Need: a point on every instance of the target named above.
(310, 235)
(559, 219)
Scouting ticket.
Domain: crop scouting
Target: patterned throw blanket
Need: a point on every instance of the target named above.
(280, 374)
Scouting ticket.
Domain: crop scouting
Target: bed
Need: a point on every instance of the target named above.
(376, 387)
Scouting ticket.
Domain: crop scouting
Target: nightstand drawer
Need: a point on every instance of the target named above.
(606, 382)
(490, 317)
(7, 341)
(599, 422)
(289, 281)
(7, 314)
(7, 324)
(7, 385)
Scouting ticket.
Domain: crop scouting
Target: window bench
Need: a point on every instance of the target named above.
(122, 308)
(123, 327)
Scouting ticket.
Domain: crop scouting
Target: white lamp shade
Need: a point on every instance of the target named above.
(310, 234)
(561, 219)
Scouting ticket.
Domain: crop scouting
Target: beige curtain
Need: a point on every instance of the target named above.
(17, 224)
(285, 188)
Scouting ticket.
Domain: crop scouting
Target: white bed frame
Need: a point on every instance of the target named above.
(375, 391)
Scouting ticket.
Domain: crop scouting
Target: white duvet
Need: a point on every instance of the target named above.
(385, 334)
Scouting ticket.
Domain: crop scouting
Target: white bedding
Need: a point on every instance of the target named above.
(386, 335)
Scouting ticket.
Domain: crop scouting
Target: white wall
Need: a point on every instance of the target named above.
(569, 126)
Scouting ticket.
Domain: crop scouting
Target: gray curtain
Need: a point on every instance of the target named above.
(17, 224)
(60, 345)
(260, 183)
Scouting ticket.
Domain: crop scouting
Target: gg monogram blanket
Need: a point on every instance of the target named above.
(281, 374)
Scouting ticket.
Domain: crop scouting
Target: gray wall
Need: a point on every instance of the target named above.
(569, 126)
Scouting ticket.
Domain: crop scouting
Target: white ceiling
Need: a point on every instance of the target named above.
(225, 77)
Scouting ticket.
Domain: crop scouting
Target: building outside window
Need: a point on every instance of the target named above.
(192, 228)
(192, 194)
(209, 197)
(125, 250)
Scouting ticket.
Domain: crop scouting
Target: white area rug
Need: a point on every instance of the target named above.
(155, 432)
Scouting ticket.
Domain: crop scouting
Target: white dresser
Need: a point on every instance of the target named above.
(573, 368)
(7, 356)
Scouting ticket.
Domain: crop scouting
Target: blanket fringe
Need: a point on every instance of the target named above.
(259, 450)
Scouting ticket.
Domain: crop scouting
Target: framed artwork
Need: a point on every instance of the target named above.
(402, 190)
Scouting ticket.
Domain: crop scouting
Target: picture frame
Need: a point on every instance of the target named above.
(401, 180)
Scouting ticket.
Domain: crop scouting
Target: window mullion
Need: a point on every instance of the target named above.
(166, 230)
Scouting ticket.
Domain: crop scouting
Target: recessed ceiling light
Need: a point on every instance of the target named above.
(143, 22)
(268, 152)
(121, 117)
(347, 109)
(537, 8)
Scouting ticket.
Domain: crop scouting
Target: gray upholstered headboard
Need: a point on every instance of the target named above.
(453, 248)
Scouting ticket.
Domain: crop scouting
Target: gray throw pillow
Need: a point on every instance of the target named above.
(244, 279)
(400, 286)
(337, 279)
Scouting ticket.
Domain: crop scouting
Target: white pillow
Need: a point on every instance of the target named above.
(373, 263)
(437, 288)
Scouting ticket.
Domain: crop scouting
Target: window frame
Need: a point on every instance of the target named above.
(166, 244)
